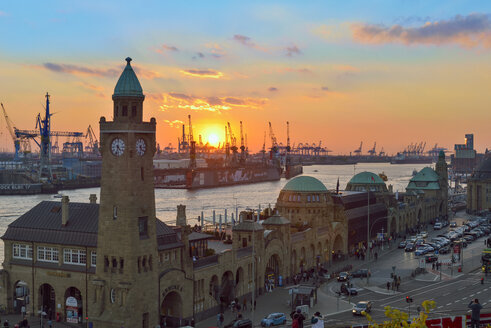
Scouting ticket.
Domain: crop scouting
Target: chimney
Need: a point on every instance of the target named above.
(181, 216)
(93, 198)
(64, 210)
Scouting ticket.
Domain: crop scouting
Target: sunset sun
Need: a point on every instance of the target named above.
(213, 139)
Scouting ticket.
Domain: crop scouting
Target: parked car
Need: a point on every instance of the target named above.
(431, 258)
(453, 224)
(343, 276)
(437, 226)
(421, 251)
(360, 273)
(424, 234)
(444, 250)
(243, 323)
(274, 319)
(402, 244)
(362, 306)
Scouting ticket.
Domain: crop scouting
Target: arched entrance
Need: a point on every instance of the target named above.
(214, 288)
(239, 282)
(172, 305)
(73, 305)
(393, 225)
(47, 299)
(272, 271)
(21, 296)
(227, 288)
(337, 248)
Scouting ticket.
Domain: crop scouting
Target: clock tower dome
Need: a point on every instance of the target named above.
(126, 274)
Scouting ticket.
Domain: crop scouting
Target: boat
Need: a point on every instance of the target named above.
(402, 158)
(383, 176)
(211, 177)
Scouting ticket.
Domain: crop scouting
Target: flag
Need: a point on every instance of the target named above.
(373, 179)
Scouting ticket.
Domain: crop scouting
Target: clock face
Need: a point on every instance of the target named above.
(140, 147)
(117, 147)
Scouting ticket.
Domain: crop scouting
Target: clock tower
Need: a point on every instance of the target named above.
(126, 283)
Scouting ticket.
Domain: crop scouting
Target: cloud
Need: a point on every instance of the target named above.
(203, 73)
(80, 70)
(98, 90)
(272, 89)
(215, 104)
(87, 71)
(174, 123)
(467, 31)
(199, 55)
(166, 48)
(244, 40)
(324, 88)
(293, 50)
(295, 70)
(216, 50)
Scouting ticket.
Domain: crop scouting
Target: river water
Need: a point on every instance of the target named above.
(218, 199)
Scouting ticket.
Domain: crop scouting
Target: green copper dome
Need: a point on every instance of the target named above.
(366, 178)
(304, 184)
(128, 84)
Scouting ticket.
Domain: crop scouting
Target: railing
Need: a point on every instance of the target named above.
(206, 261)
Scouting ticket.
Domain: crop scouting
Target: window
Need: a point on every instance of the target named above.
(133, 111)
(166, 257)
(317, 197)
(93, 258)
(125, 110)
(308, 199)
(22, 251)
(47, 254)
(74, 256)
(143, 227)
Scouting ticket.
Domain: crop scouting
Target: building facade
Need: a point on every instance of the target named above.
(479, 188)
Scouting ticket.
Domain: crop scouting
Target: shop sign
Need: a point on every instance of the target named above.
(71, 310)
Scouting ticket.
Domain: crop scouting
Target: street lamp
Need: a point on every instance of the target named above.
(368, 246)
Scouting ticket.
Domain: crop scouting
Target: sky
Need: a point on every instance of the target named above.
(341, 72)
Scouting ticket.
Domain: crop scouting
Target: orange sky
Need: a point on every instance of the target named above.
(336, 80)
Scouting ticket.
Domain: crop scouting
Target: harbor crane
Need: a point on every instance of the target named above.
(358, 151)
(242, 147)
(192, 143)
(21, 143)
(288, 148)
(227, 145)
(382, 152)
(233, 141)
(372, 151)
(274, 143)
(93, 144)
(45, 134)
(263, 150)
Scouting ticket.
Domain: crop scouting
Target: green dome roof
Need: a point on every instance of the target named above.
(366, 178)
(128, 84)
(304, 184)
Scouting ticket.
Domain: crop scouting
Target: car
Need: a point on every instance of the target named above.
(453, 224)
(410, 247)
(343, 276)
(424, 234)
(362, 306)
(274, 319)
(402, 244)
(345, 290)
(431, 258)
(437, 226)
(242, 323)
(421, 251)
(444, 250)
(360, 273)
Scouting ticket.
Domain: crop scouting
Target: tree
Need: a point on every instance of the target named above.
(397, 318)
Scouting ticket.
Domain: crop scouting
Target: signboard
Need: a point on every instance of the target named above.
(460, 321)
(71, 309)
(422, 263)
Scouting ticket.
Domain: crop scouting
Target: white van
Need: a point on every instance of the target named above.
(437, 226)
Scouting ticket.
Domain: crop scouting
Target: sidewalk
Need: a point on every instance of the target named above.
(34, 322)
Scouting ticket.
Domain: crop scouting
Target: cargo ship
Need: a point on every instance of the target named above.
(292, 170)
(211, 177)
(411, 159)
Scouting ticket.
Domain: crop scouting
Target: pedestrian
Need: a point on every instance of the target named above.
(6, 323)
(476, 313)
(433, 265)
(317, 321)
(244, 304)
(299, 317)
(376, 256)
(388, 285)
(220, 320)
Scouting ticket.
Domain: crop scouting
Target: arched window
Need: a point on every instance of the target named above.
(290, 198)
(308, 198)
(317, 197)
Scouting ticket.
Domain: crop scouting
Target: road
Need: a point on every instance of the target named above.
(451, 290)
